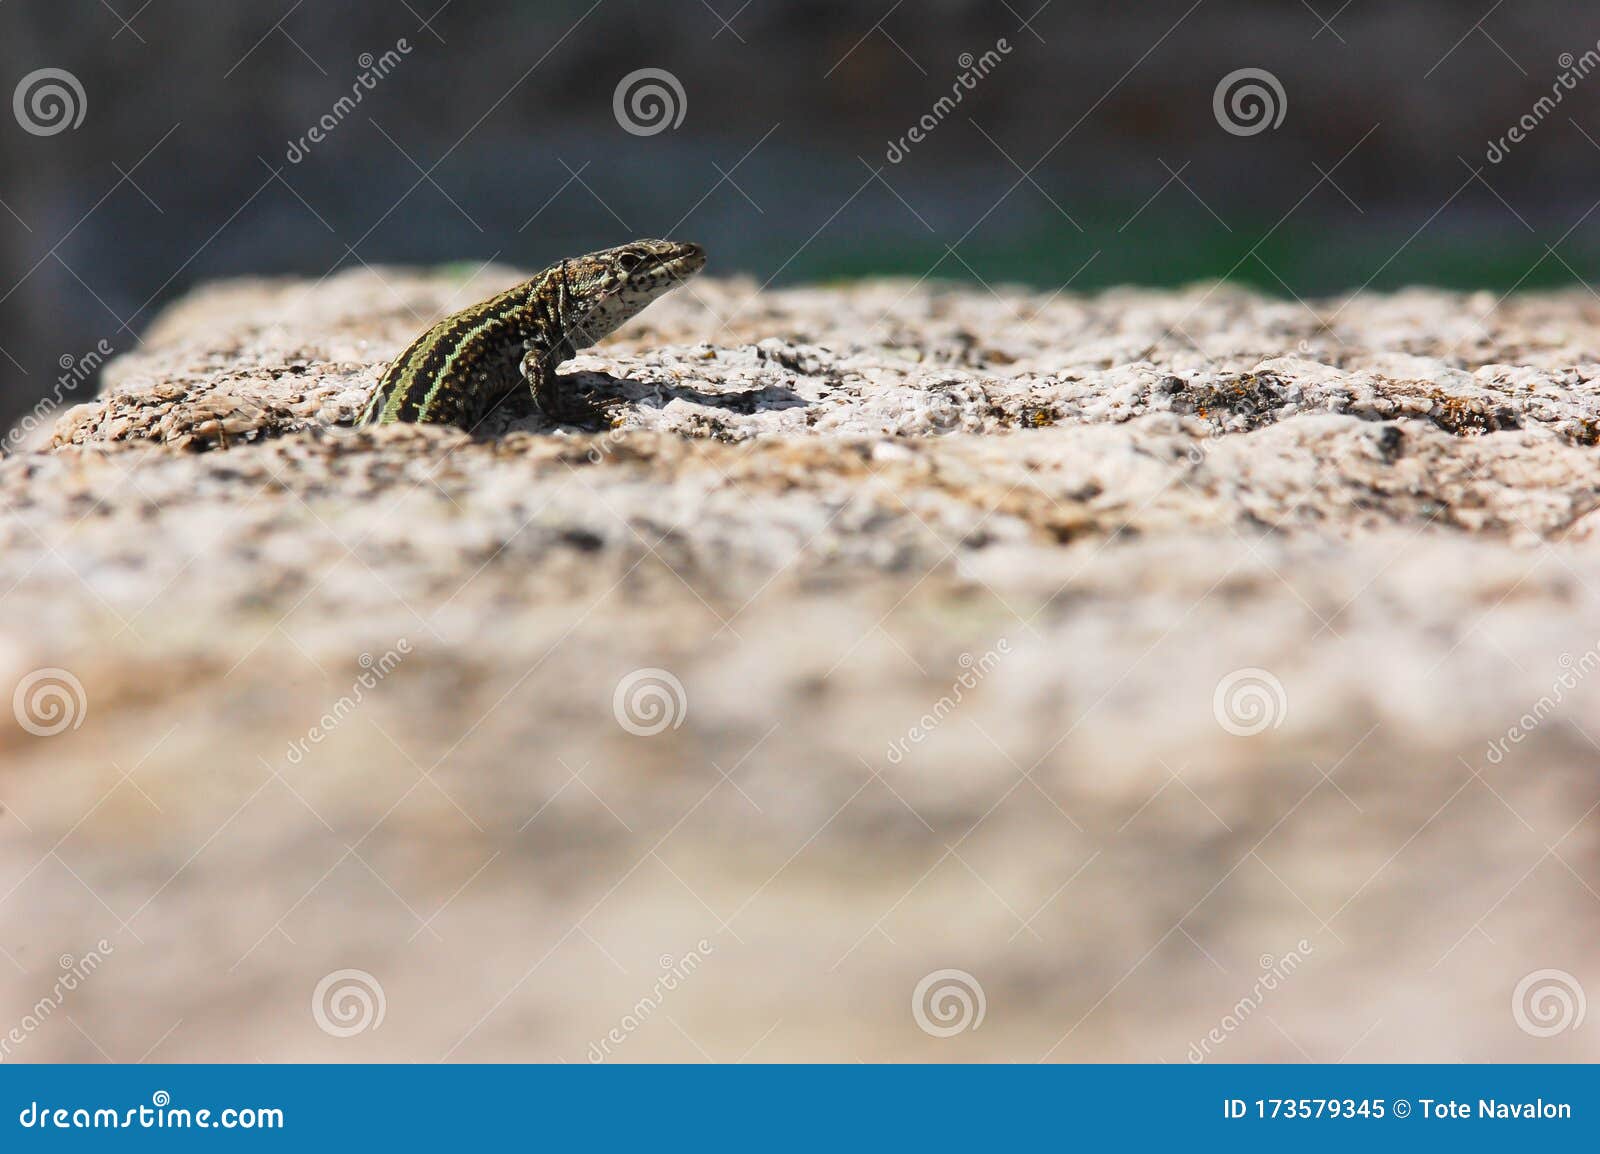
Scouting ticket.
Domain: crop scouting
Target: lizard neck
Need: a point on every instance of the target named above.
(539, 310)
(561, 313)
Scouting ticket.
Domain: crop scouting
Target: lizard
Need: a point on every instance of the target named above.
(462, 368)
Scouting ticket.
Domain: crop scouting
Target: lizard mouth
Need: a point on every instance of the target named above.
(682, 264)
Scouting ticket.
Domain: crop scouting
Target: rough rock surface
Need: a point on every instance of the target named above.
(1202, 675)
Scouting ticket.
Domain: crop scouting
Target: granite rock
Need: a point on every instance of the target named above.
(1201, 675)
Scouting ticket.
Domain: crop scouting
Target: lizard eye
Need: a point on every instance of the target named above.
(628, 261)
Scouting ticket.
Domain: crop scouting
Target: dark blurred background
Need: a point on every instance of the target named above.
(1090, 153)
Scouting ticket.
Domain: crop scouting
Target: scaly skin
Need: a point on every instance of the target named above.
(463, 367)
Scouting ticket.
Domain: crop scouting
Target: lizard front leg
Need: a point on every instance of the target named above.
(538, 368)
(555, 396)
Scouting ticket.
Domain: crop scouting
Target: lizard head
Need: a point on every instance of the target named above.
(609, 287)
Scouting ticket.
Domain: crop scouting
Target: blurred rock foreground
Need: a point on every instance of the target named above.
(1199, 675)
